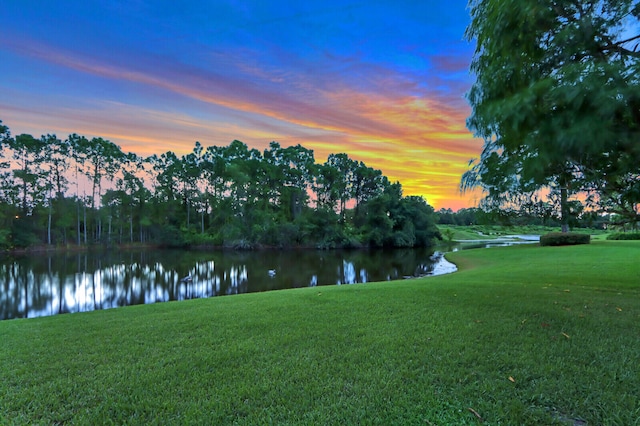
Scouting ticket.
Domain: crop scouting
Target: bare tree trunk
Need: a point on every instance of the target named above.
(49, 224)
(188, 214)
(131, 224)
(78, 222)
(564, 208)
(85, 223)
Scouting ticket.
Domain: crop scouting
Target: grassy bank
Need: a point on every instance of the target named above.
(521, 335)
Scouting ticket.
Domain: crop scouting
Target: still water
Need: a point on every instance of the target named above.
(56, 283)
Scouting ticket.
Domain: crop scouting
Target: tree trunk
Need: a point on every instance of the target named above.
(78, 222)
(24, 188)
(93, 188)
(564, 208)
(49, 224)
(188, 213)
(131, 225)
(84, 209)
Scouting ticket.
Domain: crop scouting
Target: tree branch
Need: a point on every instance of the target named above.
(627, 40)
(619, 49)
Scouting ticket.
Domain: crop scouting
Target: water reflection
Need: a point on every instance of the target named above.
(50, 284)
(504, 241)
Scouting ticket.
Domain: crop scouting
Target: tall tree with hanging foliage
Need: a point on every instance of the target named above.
(557, 101)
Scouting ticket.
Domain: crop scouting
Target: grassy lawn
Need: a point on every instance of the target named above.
(520, 335)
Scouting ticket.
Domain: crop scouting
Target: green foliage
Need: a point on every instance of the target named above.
(195, 239)
(5, 239)
(391, 220)
(448, 234)
(624, 236)
(470, 216)
(168, 236)
(279, 235)
(322, 228)
(564, 239)
(556, 101)
(23, 233)
(230, 196)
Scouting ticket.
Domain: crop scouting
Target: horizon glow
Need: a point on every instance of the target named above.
(381, 81)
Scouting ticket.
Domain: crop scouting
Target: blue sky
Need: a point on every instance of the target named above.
(383, 81)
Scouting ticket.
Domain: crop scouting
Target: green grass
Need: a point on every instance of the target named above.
(458, 233)
(520, 335)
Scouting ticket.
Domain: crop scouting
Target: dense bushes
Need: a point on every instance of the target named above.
(564, 239)
(624, 236)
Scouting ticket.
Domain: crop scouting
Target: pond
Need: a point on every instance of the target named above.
(503, 241)
(56, 283)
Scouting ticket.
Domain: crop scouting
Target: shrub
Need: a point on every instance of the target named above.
(5, 239)
(23, 233)
(624, 236)
(564, 239)
(168, 236)
(197, 239)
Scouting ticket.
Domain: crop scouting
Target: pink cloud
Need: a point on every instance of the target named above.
(450, 63)
(413, 134)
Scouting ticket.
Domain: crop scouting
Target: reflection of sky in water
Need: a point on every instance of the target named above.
(94, 283)
(348, 273)
(441, 265)
(504, 241)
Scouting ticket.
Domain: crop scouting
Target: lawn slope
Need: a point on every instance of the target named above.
(520, 335)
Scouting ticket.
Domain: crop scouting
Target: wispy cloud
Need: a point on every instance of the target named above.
(406, 122)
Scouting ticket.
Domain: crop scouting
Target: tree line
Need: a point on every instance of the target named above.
(536, 213)
(80, 191)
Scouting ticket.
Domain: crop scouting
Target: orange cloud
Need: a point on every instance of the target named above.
(418, 138)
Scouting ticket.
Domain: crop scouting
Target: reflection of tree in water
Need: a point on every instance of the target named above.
(11, 297)
(24, 293)
(236, 279)
(61, 283)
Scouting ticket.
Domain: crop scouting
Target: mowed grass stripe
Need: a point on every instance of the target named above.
(520, 335)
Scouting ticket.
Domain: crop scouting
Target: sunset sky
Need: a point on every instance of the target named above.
(383, 81)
